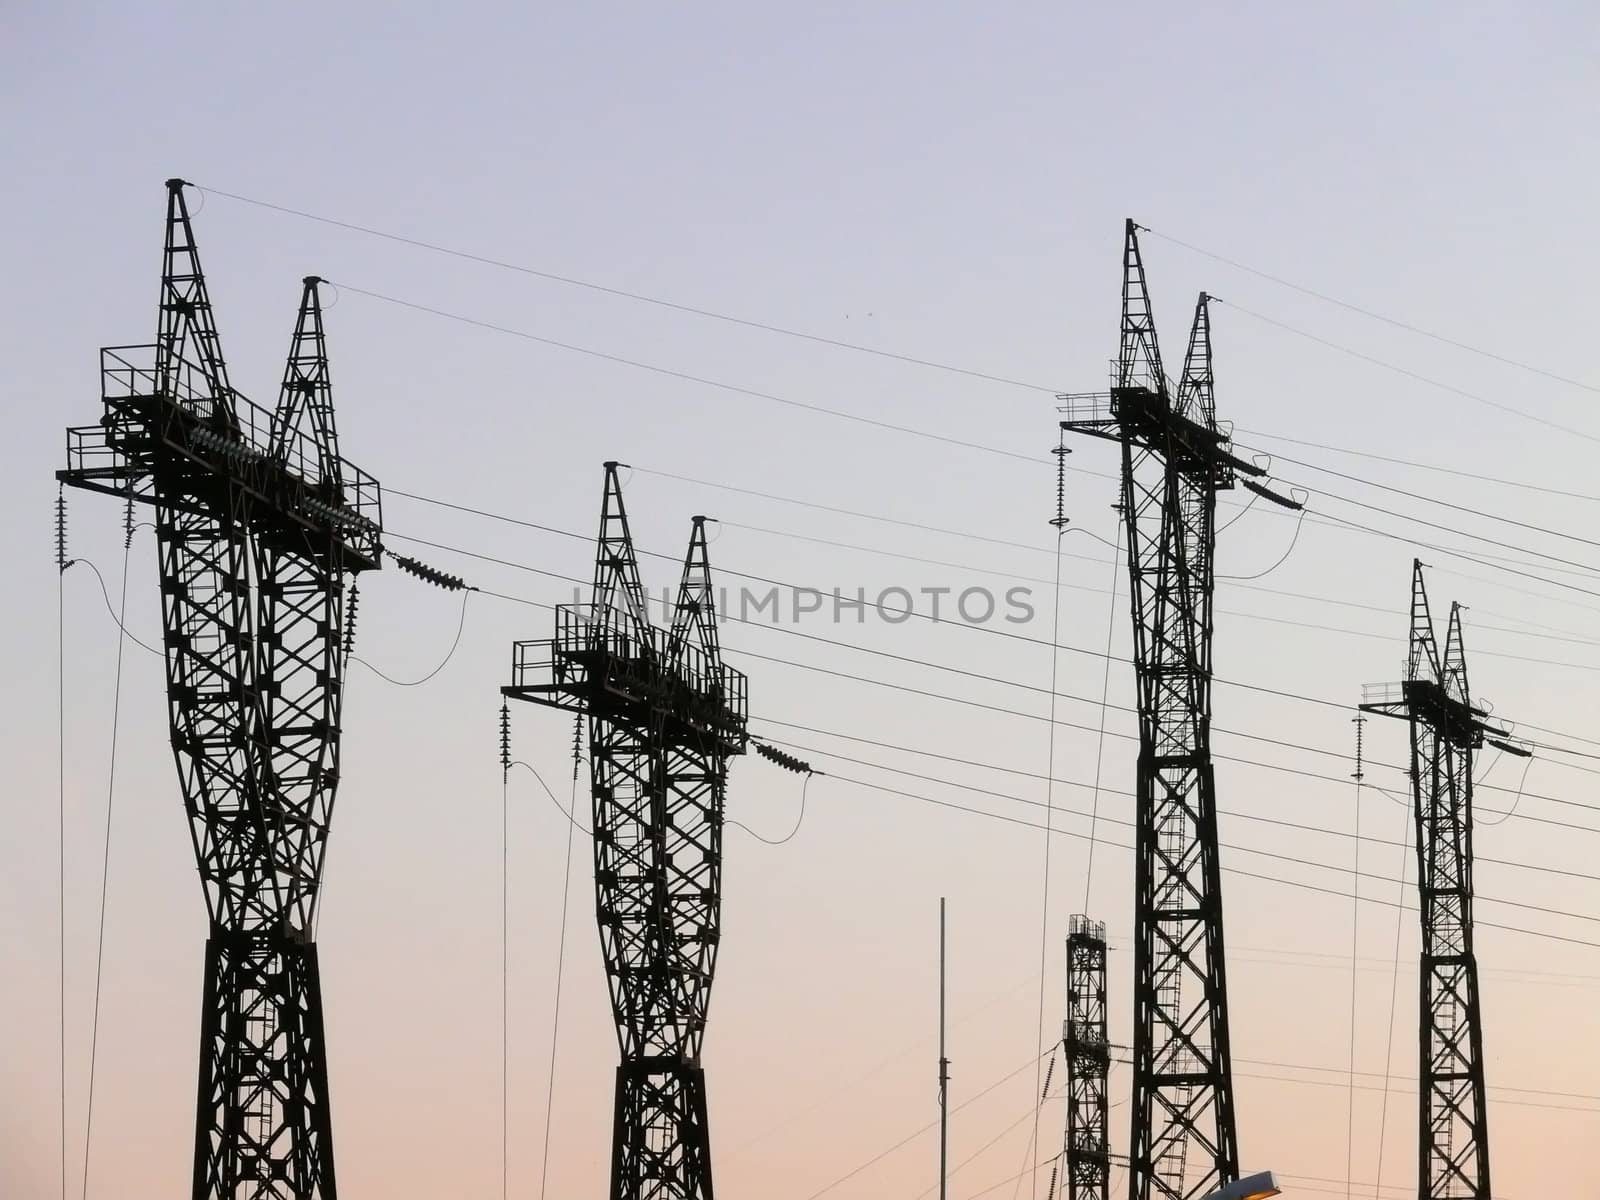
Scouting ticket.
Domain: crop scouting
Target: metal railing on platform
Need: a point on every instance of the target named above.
(230, 427)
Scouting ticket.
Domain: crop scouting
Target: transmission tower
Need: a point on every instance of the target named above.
(258, 521)
(1453, 1117)
(1087, 1048)
(1175, 460)
(664, 717)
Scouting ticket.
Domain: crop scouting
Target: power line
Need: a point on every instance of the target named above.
(641, 297)
(876, 550)
(1360, 721)
(686, 377)
(1250, 762)
(1001, 680)
(1288, 858)
(1294, 883)
(62, 563)
(909, 612)
(1374, 315)
(1049, 815)
(1413, 375)
(1563, 635)
(1030, 716)
(1434, 500)
(867, 516)
(1298, 826)
(778, 329)
(1331, 1083)
(105, 862)
(927, 434)
(840, 343)
(833, 1092)
(1475, 476)
(1247, 616)
(1481, 561)
(461, 624)
(505, 941)
(815, 668)
(855, 417)
(1243, 849)
(1341, 1072)
(916, 1133)
(890, 426)
(769, 327)
(1584, 569)
(561, 961)
(982, 1150)
(1100, 742)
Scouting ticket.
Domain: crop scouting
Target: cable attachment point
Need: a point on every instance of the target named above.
(62, 561)
(350, 619)
(505, 737)
(1061, 451)
(450, 583)
(787, 761)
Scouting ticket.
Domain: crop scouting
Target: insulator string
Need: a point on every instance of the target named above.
(62, 561)
(350, 611)
(411, 566)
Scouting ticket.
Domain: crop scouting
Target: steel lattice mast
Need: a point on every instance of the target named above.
(1434, 700)
(664, 717)
(258, 521)
(1086, 1044)
(1175, 460)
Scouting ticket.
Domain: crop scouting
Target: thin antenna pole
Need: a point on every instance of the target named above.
(944, 1074)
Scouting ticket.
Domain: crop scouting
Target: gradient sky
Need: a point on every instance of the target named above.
(945, 181)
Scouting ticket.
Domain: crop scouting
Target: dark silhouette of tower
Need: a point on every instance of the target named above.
(1084, 1041)
(258, 522)
(1435, 702)
(664, 717)
(1175, 459)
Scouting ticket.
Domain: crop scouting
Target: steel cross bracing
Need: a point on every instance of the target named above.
(258, 521)
(1175, 459)
(664, 715)
(1088, 1054)
(1434, 700)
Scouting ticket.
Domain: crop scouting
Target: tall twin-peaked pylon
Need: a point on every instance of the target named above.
(258, 523)
(1175, 459)
(1446, 728)
(664, 715)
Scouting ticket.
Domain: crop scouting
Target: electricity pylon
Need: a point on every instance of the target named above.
(1434, 700)
(258, 521)
(1087, 1048)
(664, 717)
(1175, 459)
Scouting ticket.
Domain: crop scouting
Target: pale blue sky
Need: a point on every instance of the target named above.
(946, 181)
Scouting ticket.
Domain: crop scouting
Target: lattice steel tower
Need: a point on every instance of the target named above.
(664, 717)
(258, 521)
(1453, 1117)
(1175, 460)
(1085, 1042)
